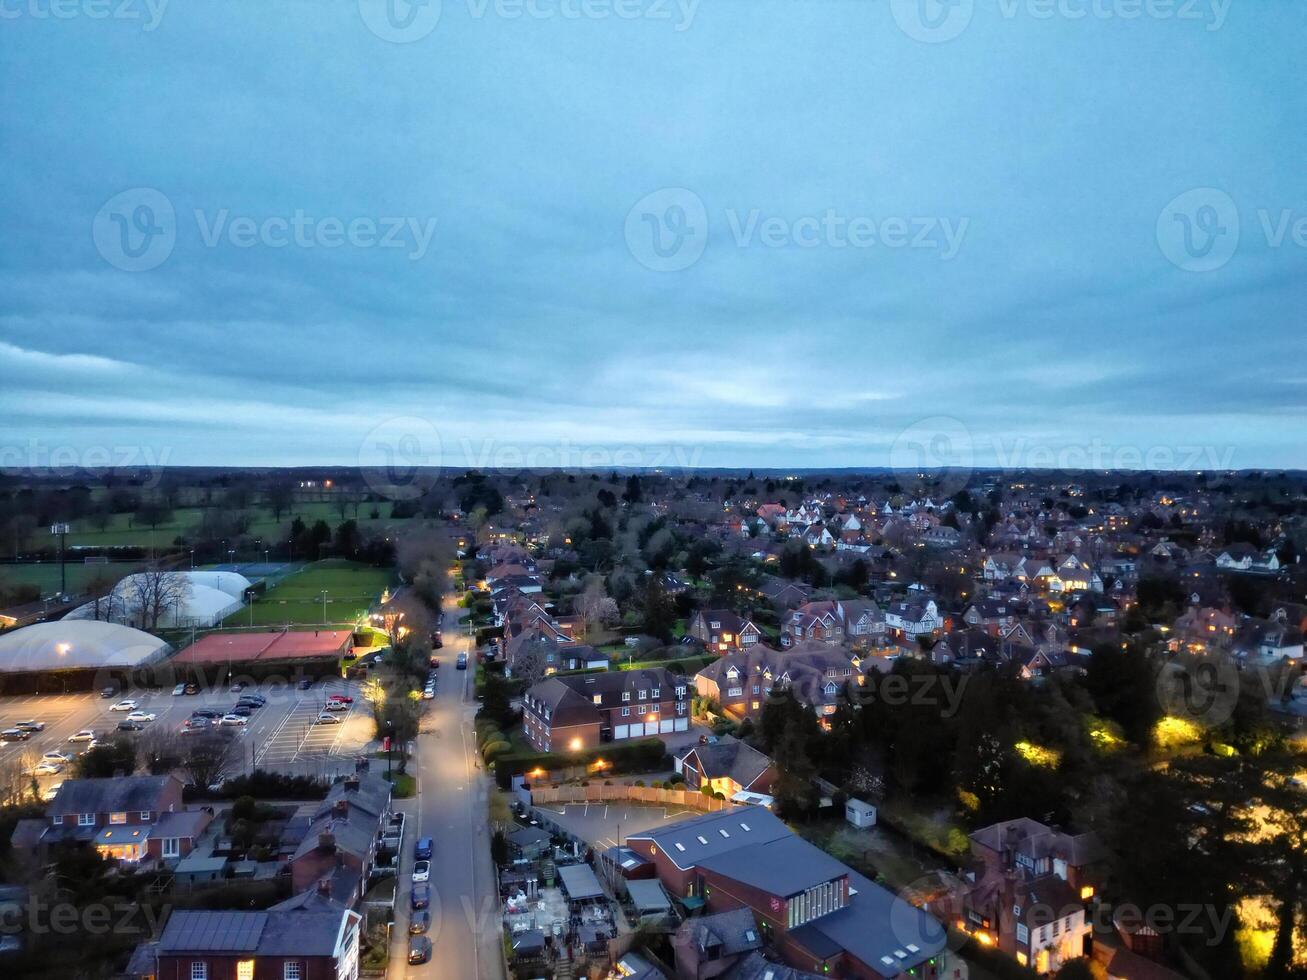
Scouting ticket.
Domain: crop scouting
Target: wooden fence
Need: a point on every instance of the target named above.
(595, 793)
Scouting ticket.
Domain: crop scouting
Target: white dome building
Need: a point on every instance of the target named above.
(184, 599)
(77, 645)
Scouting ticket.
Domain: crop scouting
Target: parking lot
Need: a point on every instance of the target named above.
(603, 825)
(283, 735)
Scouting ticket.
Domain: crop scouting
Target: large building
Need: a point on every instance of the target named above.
(818, 914)
(74, 654)
(582, 711)
(814, 673)
(169, 600)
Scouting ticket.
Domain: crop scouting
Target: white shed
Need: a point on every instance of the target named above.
(860, 814)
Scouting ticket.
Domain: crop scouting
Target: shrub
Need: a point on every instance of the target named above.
(494, 749)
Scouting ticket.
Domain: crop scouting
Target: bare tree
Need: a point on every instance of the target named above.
(595, 607)
(209, 758)
(17, 784)
(155, 592)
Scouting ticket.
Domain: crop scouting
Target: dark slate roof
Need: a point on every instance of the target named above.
(734, 932)
(109, 795)
(192, 931)
(648, 896)
(743, 826)
(756, 967)
(730, 757)
(579, 882)
(786, 867)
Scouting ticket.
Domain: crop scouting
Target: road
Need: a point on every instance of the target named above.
(451, 808)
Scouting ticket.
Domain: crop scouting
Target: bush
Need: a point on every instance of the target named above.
(646, 755)
(494, 749)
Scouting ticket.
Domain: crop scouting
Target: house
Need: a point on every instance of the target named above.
(727, 766)
(579, 712)
(708, 946)
(339, 848)
(119, 817)
(913, 618)
(811, 909)
(721, 630)
(783, 593)
(307, 937)
(814, 673)
(1241, 557)
(821, 622)
(1031, 887)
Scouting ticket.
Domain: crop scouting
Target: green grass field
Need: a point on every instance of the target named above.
(81, 577)
(297, 600)
(122, 530)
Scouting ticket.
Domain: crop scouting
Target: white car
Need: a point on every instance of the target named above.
(92, 744)
(47, 769)
(141, 716)
(234, 720)
(127, 705)
(85, 735)
(429, 694)
(422, 871)
(57, 757)
(179, 690)
(327, 718)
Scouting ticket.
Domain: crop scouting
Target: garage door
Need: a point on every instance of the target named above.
(682, 724)
(620, 731)
(637, 730)
(665, 726)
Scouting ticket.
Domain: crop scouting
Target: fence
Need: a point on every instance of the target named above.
(634, 794)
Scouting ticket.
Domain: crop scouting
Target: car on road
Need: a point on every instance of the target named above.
(419, 949)
(130, 726)
(422, 871)
(15, 735)
(54, 755)
(422, 850)
(141, 716)
(47, 769)
(233, 720)
(85, 735)
(305, 683)
(192, 725)
(342, 698)
(429, 694)
(108, 692)
(179, 690)
(238, 687)
(462, 661)
(419, 922)
(126, 704)
(327, 718)
(330, 705)
(420, 897)
(30, 726)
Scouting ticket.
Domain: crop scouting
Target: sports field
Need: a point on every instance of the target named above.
(122, 530)
(297, 600)
(45, 575)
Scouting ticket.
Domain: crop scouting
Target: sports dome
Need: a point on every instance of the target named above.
(192, 599)
(77, 645)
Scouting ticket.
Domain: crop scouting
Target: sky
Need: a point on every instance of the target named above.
(677, 233)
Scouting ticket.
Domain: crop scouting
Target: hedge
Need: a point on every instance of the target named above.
(646, 755)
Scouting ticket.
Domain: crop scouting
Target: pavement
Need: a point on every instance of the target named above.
(451, 808)
(604, 825)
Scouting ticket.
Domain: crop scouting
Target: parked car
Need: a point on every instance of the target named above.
(130, 726)
(85, 735)
(327, 718)
(141, 716)
(108, 692)
(304, 684)
(244, 710)
(233, 720)
(422, 850)
(419, 949)
(462, 661)
(192, 689)
(179, 690)
(193, 725)
(420, 897)
(419, 922)
(15, 735)
(330, 705)
(30, 726)
(429, 694)
(238, 687)
(342, 698)
(44, 768)
(126, 704)
(422, 871)
(205, 713)
(54, 755)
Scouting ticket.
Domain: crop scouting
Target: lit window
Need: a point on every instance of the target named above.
(86, 820)
(245, 970)
(290, 970)
(199, 970)
(117, 818)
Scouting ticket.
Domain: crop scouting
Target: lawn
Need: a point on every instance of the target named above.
(297, 600)
(81, 576)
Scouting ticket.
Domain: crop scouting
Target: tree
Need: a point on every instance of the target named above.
(633, 493)
(155, 592)
(210, 757)
(659, 610)
(1122, 684)
(117, 757)
(596, 609)
(281, 498)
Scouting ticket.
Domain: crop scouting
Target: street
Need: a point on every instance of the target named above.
(451, 809)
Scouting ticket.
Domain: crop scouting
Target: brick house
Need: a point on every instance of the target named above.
(577, 712)
(307, 937)
(122, 818)
(728, 766)
(722, 631)
(339, 848)
(811, 910)
(815, 674)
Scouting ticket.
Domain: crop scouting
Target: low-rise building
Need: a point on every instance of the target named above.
(573, 713)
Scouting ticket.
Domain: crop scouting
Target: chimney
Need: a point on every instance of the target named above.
(327, 842)
(351, 784)
(324, 886)
(340, 808)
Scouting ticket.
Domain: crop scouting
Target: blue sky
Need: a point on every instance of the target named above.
(660, 232)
